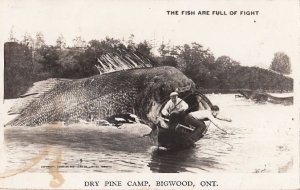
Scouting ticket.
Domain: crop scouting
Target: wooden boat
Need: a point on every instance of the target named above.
(261, 97)
(184, 134)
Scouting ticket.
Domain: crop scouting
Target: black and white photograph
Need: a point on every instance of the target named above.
(150, 94)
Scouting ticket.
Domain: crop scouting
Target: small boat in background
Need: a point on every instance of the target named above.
(261, 97)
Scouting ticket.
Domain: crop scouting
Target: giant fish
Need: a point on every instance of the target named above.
(139, 91)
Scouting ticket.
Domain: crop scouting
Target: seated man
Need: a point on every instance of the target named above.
(198, 117)
(174, 109)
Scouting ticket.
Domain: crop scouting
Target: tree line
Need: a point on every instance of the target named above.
(31, 60)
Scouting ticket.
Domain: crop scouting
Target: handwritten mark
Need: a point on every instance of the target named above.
(58, 179)
(28, 166)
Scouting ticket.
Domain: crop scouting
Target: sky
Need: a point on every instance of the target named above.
(250, 39)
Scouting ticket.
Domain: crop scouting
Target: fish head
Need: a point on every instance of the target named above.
(157, 87)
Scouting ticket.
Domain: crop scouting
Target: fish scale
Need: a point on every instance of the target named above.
(102, 96)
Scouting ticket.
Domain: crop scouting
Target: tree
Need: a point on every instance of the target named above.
(194, 56)
(39, 40)
(79, 42)
(226, 61)
(194, 61)
(281, 63)
(12, 35)
(60, 42)
(28, 40)
(48, 57)
(144, 48)
(130, 43)
(95, 49)
(165, 49)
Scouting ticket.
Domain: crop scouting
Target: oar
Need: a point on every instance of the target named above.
(163, 118)
(179, 102)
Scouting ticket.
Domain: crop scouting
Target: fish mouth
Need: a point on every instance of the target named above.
(195, 100)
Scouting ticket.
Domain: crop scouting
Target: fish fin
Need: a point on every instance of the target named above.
(38, 89)
(120, 119)
(123, 60)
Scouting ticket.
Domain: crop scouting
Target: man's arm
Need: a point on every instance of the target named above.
(215, 124)
(223, 118)
(165, 110)
(184, 106)
(212, 119)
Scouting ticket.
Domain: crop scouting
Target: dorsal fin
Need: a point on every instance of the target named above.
(37, 90)
(123, 60)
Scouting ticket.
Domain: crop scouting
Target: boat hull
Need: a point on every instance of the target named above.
(174, 140)
(182, 137)
(182, 131)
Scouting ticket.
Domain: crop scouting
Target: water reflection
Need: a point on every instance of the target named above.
(179, 161)
(84, 139)
(103, 151)
(109, 150)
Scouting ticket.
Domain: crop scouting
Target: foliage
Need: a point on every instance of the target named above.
(224, 73)
(131, 44)
(49, 56)
(39, 40)
(144, 48)
(60, 42)
(226, 61)
(281, 63)
(28, 40)
(164, 50)
(32, 60)
(192, 59)
(46, 61)
(79, 42)
(94, 50)
(12, 37)
(167, 61)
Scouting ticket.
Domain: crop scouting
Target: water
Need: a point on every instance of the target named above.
(261, 139)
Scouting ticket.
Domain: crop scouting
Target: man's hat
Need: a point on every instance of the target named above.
(173, 94)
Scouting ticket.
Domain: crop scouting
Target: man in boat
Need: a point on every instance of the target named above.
(198, 117)
(174, 110)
